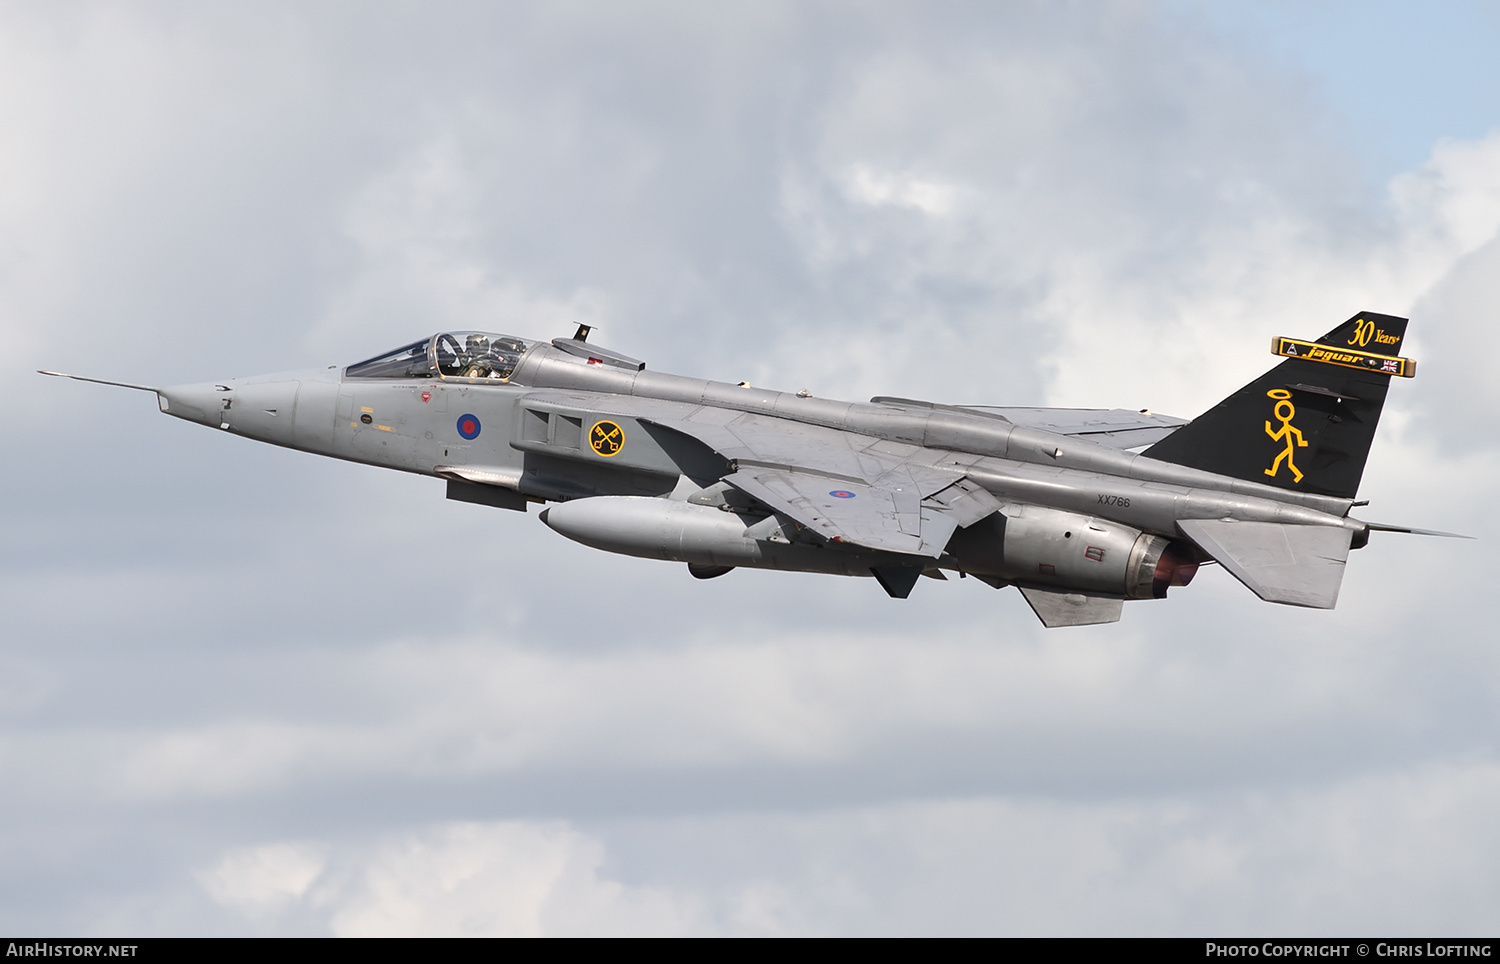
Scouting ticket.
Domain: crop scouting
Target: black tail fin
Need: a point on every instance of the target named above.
(1305, 425)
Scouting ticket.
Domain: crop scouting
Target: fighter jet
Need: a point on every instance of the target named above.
(1079, 509)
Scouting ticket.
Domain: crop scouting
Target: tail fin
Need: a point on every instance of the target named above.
(1307, 424)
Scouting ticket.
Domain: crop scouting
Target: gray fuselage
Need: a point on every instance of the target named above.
(527, 437)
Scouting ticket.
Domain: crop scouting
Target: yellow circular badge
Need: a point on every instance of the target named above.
(606, 439)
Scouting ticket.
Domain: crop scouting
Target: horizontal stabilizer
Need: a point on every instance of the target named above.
(1072, 608)
(1299, 565)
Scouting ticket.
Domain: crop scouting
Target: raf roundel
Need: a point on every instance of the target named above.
(842, 494)
(468, 426)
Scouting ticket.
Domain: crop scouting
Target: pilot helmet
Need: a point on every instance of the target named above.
(478, 344)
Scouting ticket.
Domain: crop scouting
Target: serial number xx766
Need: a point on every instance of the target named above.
(1119, 500)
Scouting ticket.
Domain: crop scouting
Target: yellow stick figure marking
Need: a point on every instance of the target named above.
(606, 438)
(1287, 431)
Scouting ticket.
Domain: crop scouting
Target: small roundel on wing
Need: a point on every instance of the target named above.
(842, 494)
(468, 426)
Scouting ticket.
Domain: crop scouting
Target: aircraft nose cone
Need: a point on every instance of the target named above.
(201, 403)
(263, 408)
(287, 408)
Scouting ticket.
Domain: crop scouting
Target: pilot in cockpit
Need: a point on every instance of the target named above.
(478, 360)
(487, 359)
(479, 356)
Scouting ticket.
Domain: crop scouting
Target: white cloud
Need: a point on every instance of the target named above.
(819, 711)
(1109, 279)
(259, 880)
(877, 188)
(418, 229)
(1455, 196)
(1408, 852)
(497, 879)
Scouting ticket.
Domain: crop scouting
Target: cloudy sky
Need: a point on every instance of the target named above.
(248, 691)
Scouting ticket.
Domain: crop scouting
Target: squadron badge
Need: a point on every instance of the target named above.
(606, 439)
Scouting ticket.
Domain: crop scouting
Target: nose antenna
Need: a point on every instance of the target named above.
(583, 333)
(101, 381)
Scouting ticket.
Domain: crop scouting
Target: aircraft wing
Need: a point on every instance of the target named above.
(876, 517)
(842, 486)
(891, 515)
(1118, 428)
(1300, 565)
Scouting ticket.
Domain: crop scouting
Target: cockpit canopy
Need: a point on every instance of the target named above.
(468, 355)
